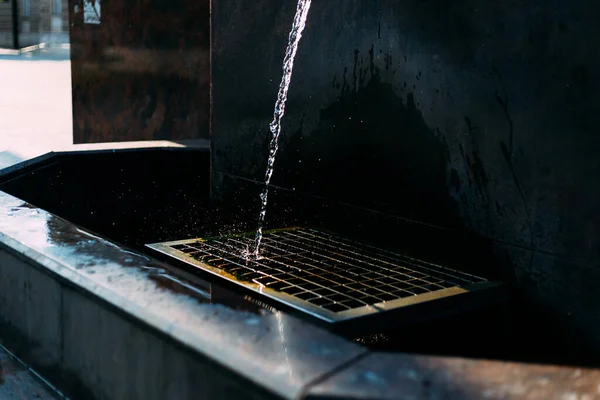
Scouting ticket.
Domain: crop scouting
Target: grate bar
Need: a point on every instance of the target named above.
(391, 259)
(328, 276)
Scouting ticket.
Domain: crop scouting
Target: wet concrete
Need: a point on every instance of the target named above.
(152, 195)
(63, 287)
(381, 376)
(18, 383)
(107, 263)
(96, 278)
(124, 196)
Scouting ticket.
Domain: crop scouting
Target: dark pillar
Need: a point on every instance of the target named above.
(142, 72)
(15, 24)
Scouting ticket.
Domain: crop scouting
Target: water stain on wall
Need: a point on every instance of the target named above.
(373, 148)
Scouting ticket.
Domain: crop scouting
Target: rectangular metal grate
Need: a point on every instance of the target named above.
(327, 276)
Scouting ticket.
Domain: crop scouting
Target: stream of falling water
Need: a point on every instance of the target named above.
(275, 126)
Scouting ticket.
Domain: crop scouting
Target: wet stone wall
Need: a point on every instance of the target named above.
(476, 117)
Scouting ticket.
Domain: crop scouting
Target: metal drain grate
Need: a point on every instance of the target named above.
(322, 274)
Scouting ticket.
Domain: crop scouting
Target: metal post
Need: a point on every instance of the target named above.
(15, 23)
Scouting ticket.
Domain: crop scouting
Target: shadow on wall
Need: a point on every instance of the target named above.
(372, 149)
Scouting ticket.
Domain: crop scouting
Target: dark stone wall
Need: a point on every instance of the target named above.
(143, 73)
(476, 118)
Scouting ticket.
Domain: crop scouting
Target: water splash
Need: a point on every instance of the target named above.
(275, 126)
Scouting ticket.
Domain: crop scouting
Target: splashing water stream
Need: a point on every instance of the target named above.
(275, 126)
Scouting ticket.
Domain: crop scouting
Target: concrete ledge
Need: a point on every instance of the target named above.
(32, 156)
(34, 47)
(91, 318)
(98, 321)
(385, 376)
(94, 353)
(8, 159)
(18, 382)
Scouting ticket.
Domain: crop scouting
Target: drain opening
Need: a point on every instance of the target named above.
(326, 273)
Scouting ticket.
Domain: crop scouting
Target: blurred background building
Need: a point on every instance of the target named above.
(33, 22)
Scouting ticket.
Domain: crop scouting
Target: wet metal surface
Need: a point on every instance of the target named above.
(270, 347)
(18, 383)
(324, 275)
(382, 376)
